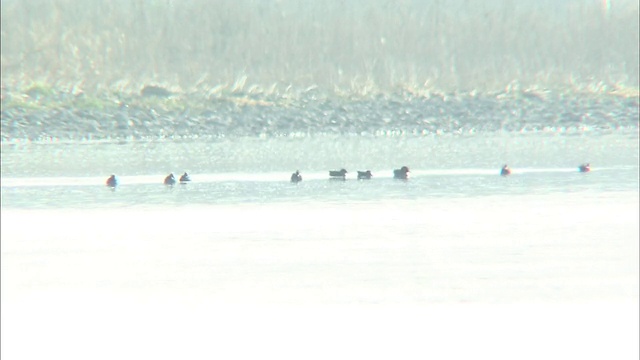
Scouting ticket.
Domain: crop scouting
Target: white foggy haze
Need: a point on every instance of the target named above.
(349, 46)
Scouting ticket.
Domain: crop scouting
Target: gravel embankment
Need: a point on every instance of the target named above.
(317, 115)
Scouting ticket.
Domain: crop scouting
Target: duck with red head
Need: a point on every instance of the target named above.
(402, 173)
(505, 171)
(112, 181)
(170, 180)
(584, 168)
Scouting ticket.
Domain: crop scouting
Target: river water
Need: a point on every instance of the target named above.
(454, 252)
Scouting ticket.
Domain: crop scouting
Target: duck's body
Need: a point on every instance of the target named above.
(505, 171)
(296, 177)
(402, 173)
(170, 180)
(364, 175)
(342, 174)
(584, 168)
(112, 181)
(185, 178)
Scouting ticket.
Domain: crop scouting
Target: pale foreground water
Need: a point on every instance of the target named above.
(456, 262)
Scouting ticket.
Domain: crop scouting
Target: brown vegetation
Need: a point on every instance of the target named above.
(356, 47)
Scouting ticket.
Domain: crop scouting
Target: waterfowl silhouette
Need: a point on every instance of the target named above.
(402, 173)
(364, 175)
(112, 181)
(296, 177)
(185, 178)
(170, 180)
(505, 171)
(584, 168)
(342, 173)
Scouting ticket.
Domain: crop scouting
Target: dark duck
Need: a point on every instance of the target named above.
(338, 174)
(364, 175)
(402, 173)
(296, 177)
(185, 178)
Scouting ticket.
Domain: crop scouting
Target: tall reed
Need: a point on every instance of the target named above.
(352, 46)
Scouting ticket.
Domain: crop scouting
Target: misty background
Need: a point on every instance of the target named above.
(350, 46)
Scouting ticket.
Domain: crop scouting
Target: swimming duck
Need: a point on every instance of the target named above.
(584, 168)
(342, 173)
(296, 177)
(364, 175)
(170, 180)
(505, 171)
(112, 181)
(402, 173)
(185, 178)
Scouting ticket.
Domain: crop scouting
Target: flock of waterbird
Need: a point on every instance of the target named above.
(402, 173)
(296, 177)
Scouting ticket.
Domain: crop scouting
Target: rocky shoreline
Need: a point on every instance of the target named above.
(167, 116)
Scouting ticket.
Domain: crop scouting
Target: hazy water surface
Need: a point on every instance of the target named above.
(546, 233)
(457, 262)
(77, 254)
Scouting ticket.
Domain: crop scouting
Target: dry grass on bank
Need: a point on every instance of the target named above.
(357, 47)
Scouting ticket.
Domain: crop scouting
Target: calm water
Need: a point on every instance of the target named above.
(456, 263)
(241, 242)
